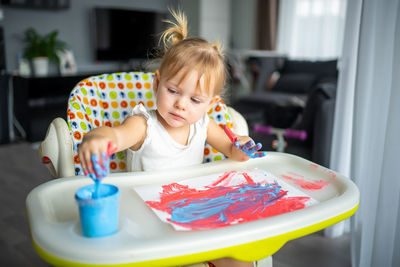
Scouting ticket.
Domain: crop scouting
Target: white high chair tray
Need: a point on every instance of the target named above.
(144, 240)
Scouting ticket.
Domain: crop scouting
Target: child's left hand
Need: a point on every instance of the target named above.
(251, 149)
(101, 167)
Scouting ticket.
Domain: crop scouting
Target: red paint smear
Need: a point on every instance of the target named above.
(314, 165)
(228, 176)
(248, 178)
(316, 185)
(236, 213)
(224, 178)
(332, 174)
(296, 174)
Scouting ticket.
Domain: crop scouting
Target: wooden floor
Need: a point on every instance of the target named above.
(314, 250)
(21, 171)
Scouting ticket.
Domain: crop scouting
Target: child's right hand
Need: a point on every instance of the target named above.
(93, 153)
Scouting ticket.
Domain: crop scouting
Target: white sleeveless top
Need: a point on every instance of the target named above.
(159, 151)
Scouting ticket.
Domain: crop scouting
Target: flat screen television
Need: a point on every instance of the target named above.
(125, 34)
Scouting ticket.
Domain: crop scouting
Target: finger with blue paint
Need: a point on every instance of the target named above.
(254, 151)
(259, 154)
(90, 173)
(96, 166)
(248, 145)
(105, 164)
(100, 166)
(251, 149)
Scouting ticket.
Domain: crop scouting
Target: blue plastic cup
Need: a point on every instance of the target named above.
(98, 212)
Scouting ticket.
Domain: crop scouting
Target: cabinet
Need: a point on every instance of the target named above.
(37, 4)
(37, 101)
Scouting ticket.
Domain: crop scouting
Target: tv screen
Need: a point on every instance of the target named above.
(124, 34)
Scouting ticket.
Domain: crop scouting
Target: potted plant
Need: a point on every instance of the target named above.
(42, 49)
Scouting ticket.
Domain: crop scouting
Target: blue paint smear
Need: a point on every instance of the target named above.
(239, 199)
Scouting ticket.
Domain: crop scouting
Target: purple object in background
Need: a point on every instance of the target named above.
(288, 133)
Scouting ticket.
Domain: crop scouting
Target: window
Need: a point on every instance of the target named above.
(311, 29)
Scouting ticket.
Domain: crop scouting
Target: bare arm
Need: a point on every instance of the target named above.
(217, 138)
(130, 134)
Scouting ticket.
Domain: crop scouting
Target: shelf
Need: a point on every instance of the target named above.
(37, 101)
(37, 4)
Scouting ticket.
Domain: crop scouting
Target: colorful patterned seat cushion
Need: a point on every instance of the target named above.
(108, 99)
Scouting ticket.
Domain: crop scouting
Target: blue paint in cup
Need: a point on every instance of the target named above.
(98, 212)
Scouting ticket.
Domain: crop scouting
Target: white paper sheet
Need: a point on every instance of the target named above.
(222, 199)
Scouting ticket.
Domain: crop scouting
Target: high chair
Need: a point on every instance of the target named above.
(142, 238)
(107, 100)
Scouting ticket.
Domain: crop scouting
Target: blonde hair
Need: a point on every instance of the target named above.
(183, 54)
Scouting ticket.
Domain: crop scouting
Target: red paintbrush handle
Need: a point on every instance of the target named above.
(230, 134)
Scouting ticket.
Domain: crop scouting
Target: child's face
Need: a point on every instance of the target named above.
(179, 100)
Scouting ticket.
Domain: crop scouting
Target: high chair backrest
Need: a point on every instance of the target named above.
(108, 99)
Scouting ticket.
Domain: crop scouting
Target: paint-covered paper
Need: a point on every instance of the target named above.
(222, 199)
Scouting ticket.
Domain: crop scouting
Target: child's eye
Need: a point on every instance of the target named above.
(172, 91)
(196, 100)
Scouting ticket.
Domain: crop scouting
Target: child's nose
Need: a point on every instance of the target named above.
(180, 103)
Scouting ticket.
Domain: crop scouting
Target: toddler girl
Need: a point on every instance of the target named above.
(188, 83)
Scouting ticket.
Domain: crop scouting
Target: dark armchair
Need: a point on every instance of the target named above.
(303, 97)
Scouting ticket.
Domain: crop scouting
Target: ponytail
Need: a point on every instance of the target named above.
(177, 31)
(219, 48)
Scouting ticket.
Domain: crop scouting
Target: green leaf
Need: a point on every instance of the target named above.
(37, 45)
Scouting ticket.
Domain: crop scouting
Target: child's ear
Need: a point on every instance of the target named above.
(156, 81)
(214, 100)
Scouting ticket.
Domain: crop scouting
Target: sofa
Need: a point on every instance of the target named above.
(300, 95)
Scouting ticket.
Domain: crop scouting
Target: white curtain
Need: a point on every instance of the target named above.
(311, 29)
(343, 126)
(366, 140)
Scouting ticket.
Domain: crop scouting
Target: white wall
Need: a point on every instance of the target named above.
(243, 24)
(232, 22)
(215, 21)
(191, 9)
(209, 19)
